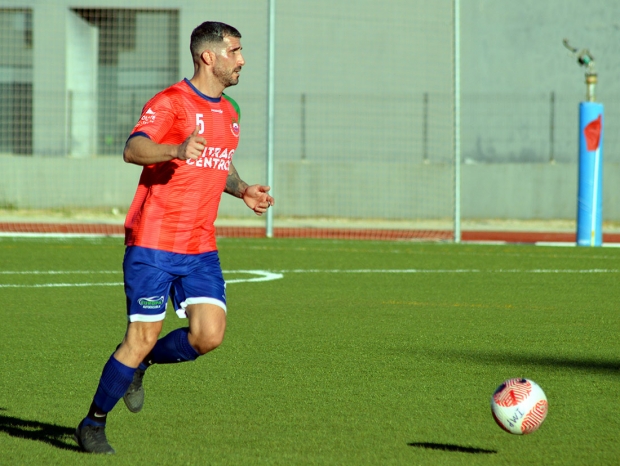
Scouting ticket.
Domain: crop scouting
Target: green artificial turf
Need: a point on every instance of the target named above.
(344, 360)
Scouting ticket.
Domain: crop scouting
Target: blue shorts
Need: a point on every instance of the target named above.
(152, 276)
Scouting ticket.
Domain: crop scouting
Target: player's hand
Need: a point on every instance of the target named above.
(257, 199)
(192, 147)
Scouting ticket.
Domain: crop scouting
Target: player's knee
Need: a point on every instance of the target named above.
(138, 342)
(140, 348)
(143, 340)
(148, 341)
(207, 340)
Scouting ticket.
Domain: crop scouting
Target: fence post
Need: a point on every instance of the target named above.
(457, 120)
(303, 126)
(552, 127)
(270, 110)
(425, 128)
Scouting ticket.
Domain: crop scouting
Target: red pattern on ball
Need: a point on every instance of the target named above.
(535, 417)
(512, 392)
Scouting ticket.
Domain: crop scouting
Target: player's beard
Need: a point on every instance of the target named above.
(226, 75)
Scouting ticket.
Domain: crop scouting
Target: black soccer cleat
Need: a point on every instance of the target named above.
(92, 439)
(134, 396)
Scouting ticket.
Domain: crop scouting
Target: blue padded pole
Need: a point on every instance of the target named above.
(590, 195)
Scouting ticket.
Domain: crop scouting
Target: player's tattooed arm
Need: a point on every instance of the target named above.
(256, 197)
(235, 186)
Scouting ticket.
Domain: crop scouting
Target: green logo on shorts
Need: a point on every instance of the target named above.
(154, 302)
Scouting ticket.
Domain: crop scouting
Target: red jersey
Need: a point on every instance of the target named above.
(176, 202)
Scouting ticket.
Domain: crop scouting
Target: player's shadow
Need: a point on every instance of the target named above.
(591, 365)
(56, 436)
(450, 447)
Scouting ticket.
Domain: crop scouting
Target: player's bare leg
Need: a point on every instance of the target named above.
(138, 339)
(138, 342)
(207, 324)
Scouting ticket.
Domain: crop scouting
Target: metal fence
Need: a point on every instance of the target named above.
(364, 103)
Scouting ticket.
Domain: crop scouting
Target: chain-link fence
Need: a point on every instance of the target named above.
(364, 114)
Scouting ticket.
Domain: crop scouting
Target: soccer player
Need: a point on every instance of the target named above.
(185, 140)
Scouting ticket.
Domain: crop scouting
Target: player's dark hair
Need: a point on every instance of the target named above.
(210, 32)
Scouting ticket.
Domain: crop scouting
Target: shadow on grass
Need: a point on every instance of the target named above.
(56, 436)
(591, 365)
(450, 447)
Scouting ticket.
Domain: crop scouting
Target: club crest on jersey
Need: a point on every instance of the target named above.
(234, 128)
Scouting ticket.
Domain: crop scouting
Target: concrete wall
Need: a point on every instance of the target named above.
(82, 62)
(51, 182)
(513, 59)
(501, 191)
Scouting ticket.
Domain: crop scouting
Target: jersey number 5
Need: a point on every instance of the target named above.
(200, 123)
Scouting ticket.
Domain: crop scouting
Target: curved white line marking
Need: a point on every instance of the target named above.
(264, 276)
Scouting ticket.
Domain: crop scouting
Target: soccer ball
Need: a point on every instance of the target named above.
(519, 406)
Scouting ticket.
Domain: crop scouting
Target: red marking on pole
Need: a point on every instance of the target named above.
(592, 132)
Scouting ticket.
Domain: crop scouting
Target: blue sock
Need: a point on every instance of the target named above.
(114, 382)
(170, 349)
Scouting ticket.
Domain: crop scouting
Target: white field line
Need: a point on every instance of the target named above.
(262, 276)
(451, 271)
(268, 274)
(265, 275)
(9, 234)
(60, 285)
(566, 244)
(58, 272)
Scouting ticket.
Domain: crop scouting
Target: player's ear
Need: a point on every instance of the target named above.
(207, 57)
